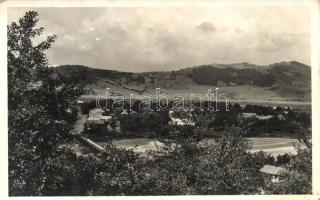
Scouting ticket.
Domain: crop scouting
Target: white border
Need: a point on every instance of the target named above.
(314, 6)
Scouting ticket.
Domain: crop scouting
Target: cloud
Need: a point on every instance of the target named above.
(207, 27)
(147, 39)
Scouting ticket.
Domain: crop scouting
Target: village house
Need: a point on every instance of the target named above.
(261, 117)
(180, 121)
(273, 172)
(96, 117)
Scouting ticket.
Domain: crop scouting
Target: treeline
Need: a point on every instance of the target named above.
(264, 120)
(208, 75)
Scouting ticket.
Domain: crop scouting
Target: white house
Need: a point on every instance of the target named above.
(180, 122)
(96, 117)
(273, 171)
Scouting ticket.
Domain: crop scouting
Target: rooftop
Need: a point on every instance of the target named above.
(270, 169)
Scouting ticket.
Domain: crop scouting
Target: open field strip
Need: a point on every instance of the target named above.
(273, 146)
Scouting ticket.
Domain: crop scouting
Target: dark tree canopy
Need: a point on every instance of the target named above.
(37, 118)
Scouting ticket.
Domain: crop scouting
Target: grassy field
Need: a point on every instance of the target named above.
(273, 146)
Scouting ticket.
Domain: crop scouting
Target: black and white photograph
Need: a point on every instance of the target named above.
(151, 99)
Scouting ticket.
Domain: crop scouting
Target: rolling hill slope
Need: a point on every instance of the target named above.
(284, 81)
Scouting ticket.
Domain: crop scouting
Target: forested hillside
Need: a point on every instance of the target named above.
(284, 80)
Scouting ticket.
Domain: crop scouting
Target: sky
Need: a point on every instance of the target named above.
(138, 39)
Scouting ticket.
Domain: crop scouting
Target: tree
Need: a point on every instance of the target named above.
(37, 101)
(203, 168)
(284, 159)
(227, 167)
(297, 179)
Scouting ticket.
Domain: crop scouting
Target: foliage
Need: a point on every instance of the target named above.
(184, 166)
(227, 168)
(298, 177)
(141, 122)
(284, 159)
(38, 120)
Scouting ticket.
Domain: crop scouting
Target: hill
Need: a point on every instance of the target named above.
(284, 81)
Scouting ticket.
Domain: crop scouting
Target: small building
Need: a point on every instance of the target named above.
(96, 117)
(261, 117)
(248, 115)
(264, 117)
(69, 110)
(171, 112)
(79, 105)
(79, 102)
(273, 172)
(180, 122)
